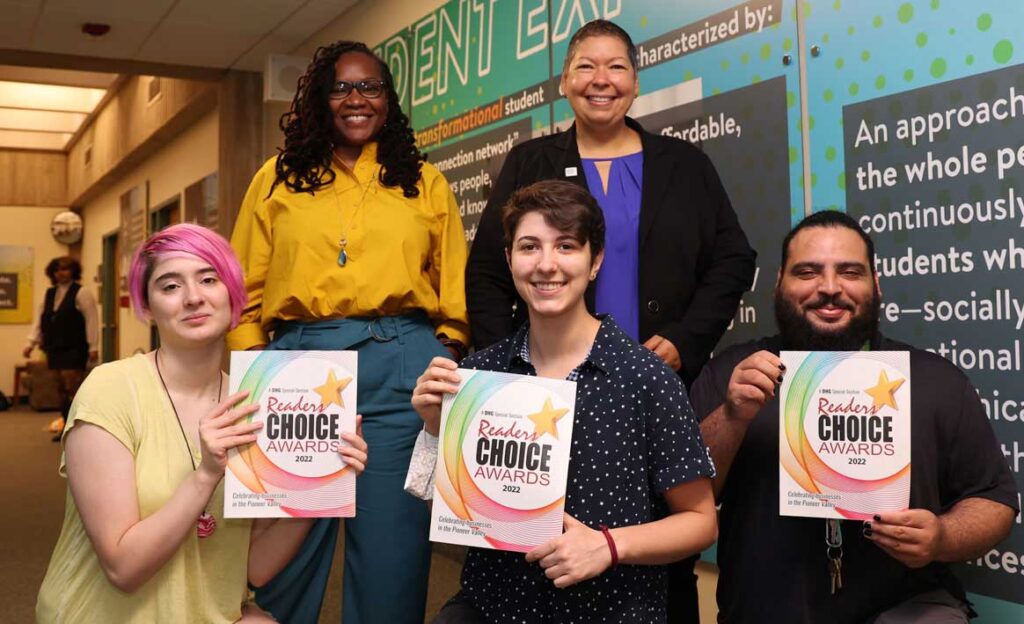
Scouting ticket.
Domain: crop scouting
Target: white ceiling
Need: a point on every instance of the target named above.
(235, 34)
(42, 108)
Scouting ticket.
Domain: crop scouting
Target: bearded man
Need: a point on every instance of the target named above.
(894, 569)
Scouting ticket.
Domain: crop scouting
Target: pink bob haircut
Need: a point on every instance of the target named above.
(195, 240)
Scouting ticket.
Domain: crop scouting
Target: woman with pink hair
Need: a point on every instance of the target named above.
(145, 447)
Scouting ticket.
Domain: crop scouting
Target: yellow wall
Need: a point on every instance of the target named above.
(189, 157)
(26, 226)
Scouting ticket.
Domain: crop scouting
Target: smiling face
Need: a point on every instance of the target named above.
(550, 268)
(187, 300)
(357, 119)
(600, 82)
(827, 294)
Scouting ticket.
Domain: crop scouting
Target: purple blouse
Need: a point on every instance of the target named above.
(617, 289)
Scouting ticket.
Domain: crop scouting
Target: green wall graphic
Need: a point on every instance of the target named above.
(480, 76)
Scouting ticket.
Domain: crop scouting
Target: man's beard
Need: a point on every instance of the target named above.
(800, 335)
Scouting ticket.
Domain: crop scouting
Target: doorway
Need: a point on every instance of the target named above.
(110, 276)
(160, 217)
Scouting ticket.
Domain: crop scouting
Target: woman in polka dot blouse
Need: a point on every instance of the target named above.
(638, 463)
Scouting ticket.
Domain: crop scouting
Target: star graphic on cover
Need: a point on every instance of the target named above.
(330, 392)
(884, 393)
(544, 420)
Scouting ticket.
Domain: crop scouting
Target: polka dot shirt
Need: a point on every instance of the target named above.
(635, 436)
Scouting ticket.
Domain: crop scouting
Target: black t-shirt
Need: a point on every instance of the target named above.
(774, 568)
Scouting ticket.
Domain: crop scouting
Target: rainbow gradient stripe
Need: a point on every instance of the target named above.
(252, 467)
(800, 460)
(513, 529)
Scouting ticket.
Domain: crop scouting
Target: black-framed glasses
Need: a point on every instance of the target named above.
(370, 88)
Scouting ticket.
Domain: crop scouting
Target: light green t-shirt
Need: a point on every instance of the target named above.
(206, 580)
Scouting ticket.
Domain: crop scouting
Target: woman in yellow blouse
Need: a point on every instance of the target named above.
(349, 240)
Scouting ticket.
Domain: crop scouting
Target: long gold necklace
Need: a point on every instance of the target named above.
(343, 255)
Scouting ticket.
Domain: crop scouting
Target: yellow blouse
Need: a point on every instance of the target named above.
(206, 580)
(404, 254)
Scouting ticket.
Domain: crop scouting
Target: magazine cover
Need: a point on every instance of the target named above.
(307, 399)
(844, 434)
(503, 461)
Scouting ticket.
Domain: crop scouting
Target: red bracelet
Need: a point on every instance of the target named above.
(611, 545)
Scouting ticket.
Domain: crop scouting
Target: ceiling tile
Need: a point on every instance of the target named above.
(293, 32)
(251, 16)
(207, 45)
(16, 26)
(109, 11)
(60, 32)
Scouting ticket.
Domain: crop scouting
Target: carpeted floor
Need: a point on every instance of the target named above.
(32, 510)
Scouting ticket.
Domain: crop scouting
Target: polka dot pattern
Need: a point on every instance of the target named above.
(635, 436)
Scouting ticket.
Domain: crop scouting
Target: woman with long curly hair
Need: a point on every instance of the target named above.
(349, 240)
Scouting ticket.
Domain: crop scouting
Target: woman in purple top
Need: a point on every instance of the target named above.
(616, 183)
(677, 260)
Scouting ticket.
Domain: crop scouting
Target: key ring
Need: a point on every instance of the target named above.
(833, 534)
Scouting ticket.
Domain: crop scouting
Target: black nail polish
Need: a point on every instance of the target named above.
(878, 518)
(779, 378)
(782, 366)
(867, 531)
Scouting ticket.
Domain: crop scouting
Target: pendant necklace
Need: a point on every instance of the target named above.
(343, 242)
(206, 524)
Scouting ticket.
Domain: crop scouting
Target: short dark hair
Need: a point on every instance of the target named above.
(565, 206)
(829, 219)
(602, 28)
(63, 262)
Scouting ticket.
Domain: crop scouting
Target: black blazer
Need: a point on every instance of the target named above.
(695, 262)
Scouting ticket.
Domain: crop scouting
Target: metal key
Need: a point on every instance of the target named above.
(834, 553)
(835, 570)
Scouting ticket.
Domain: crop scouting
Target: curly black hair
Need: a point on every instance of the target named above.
(304, 165)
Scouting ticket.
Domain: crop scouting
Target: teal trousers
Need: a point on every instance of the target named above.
(387, 552)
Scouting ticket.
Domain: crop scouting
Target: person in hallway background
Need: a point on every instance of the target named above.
(676, 259)
(67, 328)
(144, 539)
(349, 240)
(895, 568)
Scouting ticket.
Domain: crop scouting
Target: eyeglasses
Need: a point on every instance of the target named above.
(370, 88)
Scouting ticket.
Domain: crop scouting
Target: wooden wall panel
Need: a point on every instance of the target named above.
(30, 178)
(240, 111)
(129, 128)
